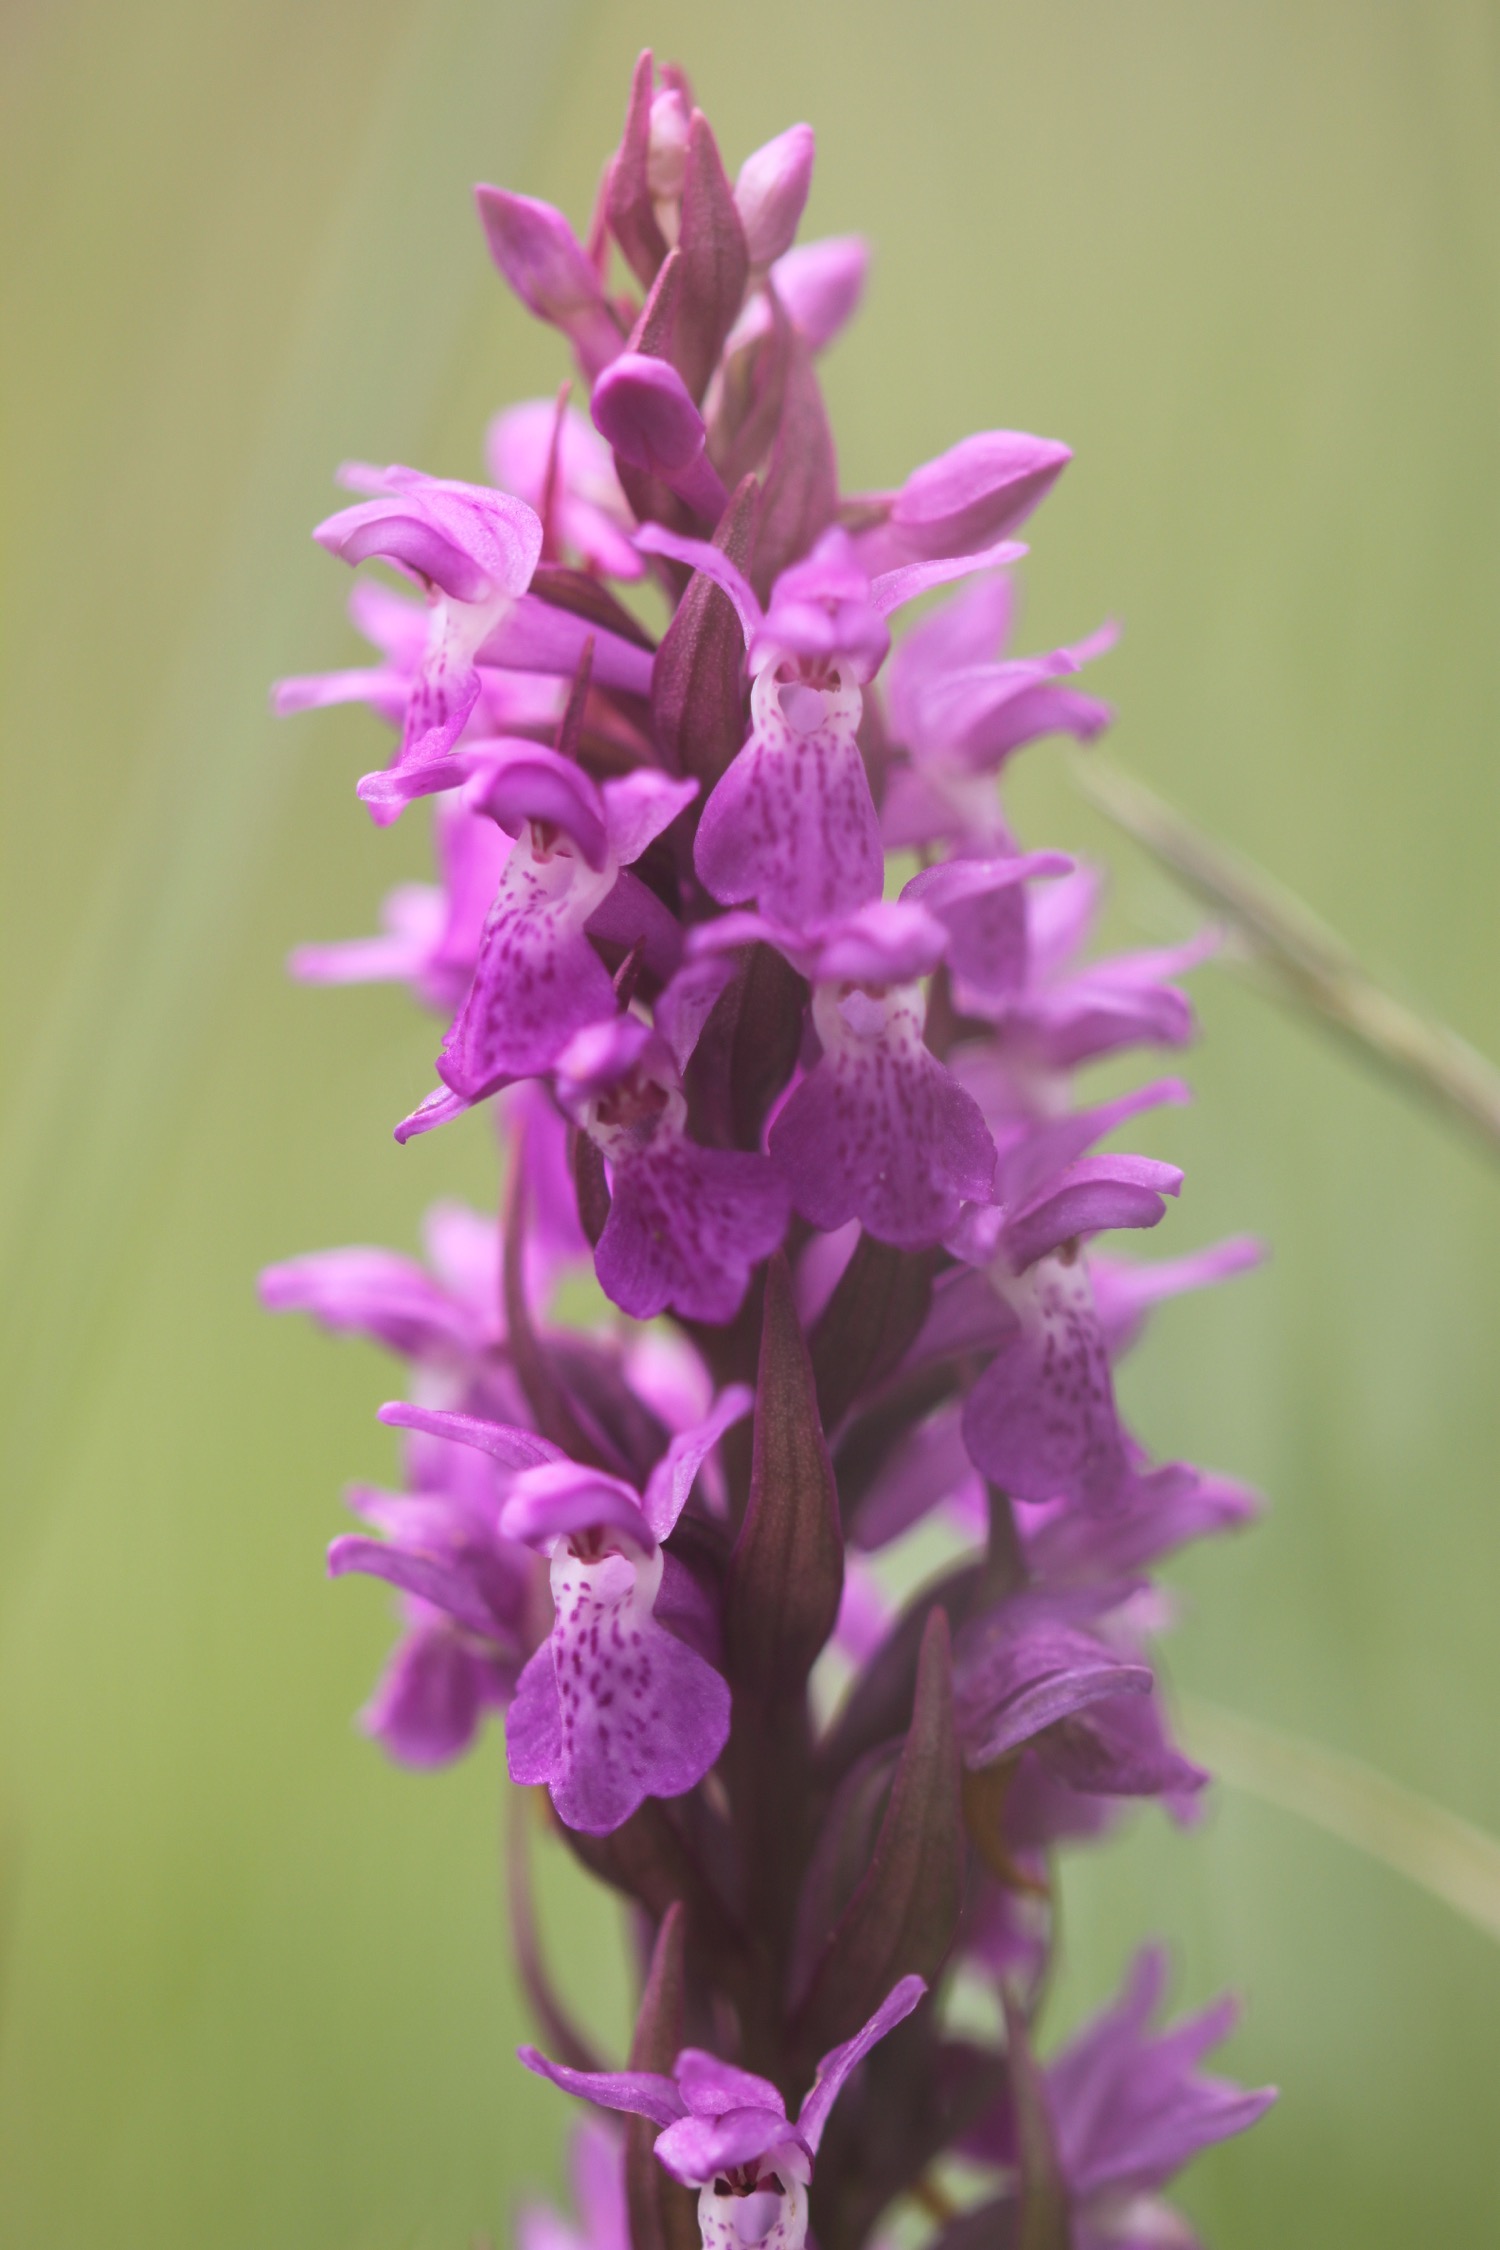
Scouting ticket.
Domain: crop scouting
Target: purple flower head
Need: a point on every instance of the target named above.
(686, 1224)
(558, 464)
(837, 1137)
(612, 1708)
(792, 824)
(538, 980)
(726, 2131)
(960, 713)
(878, 1130)
(474, 552)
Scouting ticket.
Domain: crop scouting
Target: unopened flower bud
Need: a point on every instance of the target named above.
(771, 192)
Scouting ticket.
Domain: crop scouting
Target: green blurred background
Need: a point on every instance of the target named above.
(256, 1987)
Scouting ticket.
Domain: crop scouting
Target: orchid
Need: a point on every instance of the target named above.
(806, 1239)
(612, 1708)
(726, 2132)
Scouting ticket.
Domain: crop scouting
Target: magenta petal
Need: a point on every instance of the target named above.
(685, 1226)
(975, 492)
(893, 589)
(1041, 1419)
(448, 1586)
(1012, 1683)
(642, 406)
(540, 256)
(536, 636)
(1125, 1293)
(882, 1133)
(1118, 1747)
(538, 980)
(672, 1479)
(374, 1293)
(821, 285)
(792, 823)
(639, 807)
(512, 1447)
(982, 905)
(640, 2093)
(1095, 1193)
(712, 2087)
(696, 2149)
(1129, 2105)
(771, 191)
(701, 554)
(639, 1714)
(835, 2067)
(428, 1704)
(515, 781)
(533, 1724)
(558, 1497)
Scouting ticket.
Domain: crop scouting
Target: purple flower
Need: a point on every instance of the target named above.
(960, 714)
(792, 824)
(1041, 1420)
(474, 551)
(878, 1130)
(686, 1224)
(1129, 2108)
(612, 1708)
(1067, 1015)
(726, 2132)
(538, 980)
(704, 1027)
(466, 1590)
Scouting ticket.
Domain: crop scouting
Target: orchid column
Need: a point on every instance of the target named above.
(811, 1113)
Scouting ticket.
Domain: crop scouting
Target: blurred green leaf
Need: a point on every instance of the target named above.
(1447, 1857)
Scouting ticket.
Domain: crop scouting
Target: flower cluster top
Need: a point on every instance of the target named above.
(782, 1030)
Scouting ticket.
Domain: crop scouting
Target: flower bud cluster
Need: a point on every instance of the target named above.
(781, 1029)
